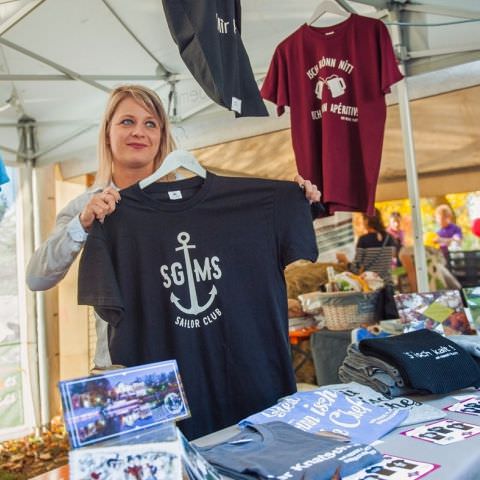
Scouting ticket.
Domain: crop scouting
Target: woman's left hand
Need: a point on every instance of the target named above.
(312, 193)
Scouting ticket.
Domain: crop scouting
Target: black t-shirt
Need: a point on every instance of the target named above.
(208, 36)
(371, 240)
(426, 360)
(200, 279)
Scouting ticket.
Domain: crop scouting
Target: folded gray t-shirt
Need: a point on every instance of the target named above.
(418, 412)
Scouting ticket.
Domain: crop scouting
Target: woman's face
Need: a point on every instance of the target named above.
(134, 136)
(442, 219)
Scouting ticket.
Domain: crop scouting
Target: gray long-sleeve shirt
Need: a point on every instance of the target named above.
(51, 261)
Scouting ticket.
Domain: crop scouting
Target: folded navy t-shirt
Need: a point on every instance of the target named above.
(278, 450)
(426, 360)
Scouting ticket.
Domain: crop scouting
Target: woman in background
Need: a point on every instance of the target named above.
(374, 252)
(374, 249)
(395, 231)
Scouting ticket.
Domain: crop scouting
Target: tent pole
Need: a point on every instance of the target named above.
(28, 146)
(410, 166)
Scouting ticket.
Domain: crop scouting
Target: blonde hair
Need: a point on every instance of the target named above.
(148, 99)
(444, 209)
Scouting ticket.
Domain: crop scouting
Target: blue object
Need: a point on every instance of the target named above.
(3, 174)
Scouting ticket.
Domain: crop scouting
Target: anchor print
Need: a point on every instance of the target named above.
(183, 238)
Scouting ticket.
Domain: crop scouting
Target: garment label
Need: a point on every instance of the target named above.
(175, 195)
(236, 105)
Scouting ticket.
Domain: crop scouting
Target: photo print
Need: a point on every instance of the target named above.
(103, 406)
(441, 311)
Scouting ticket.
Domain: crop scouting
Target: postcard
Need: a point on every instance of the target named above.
(470, 406)
(154, 461)
(441, 311)
(103, 406)
(472, 297)
(395, 468)
(444, 432)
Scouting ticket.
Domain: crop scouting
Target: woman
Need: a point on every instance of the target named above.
(449, 235)
(134, 139)
(395, 231)
(374, 252)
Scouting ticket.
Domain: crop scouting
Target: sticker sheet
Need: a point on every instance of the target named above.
(444, 432)
(395, 468)
(470, 406)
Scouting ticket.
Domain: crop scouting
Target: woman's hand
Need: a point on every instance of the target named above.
(312, 193)
(100, 205)
(341, 258)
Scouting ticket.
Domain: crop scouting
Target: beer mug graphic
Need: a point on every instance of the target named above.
(336, 85)
(319, 87)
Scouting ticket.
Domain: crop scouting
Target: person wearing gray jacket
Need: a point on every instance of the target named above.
(52, 260)
(134, 139)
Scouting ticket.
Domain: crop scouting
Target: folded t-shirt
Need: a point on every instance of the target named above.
(417, 412)
(426, 360)
(277, 450)
(331, 411)
(471, 343)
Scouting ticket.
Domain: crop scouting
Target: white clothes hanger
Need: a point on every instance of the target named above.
(328, 6)
(174, 160)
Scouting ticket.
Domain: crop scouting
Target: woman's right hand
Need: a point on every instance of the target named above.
(100, 205)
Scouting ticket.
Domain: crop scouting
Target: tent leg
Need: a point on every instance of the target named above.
(411, 169)
(41, 321)
(28, 142)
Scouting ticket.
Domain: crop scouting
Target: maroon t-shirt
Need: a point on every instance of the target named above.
(334, 79)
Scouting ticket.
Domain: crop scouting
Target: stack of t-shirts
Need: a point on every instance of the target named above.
(373, 372)
(426, 361)
(470, 343)
(278, 450)
(417, 412)
(331, 411)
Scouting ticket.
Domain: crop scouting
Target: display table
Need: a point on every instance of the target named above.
(458, 461)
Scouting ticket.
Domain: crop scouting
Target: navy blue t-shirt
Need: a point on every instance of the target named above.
(200, 279)
(277, 450)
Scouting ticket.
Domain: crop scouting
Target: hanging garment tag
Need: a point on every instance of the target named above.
(236, 105)
(175, 195)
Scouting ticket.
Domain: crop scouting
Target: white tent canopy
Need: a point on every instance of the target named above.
(60, 58)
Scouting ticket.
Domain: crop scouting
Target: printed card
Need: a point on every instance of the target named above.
(444, 432)
(149, 461)
(395, 468)
(441, 311)
(472, 296)
(104, 406)
(471, 406)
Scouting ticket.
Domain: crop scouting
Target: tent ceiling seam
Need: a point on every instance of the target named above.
(52, 64)
(19, 16)
(439, 10)
(165, 73)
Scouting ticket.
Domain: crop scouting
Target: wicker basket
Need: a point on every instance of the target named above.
(348, 310)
